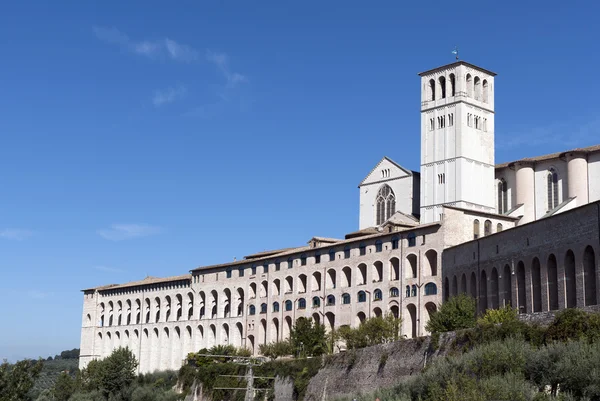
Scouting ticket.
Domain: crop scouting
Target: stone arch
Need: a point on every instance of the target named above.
(362, 274)
(316, 318)
(190, 306)
(277, 287)
(378, 271)
(483, 300)
(289, 285)
(225, 333)
(552, 273)
(346, 277)
(329, 321)
(275, 329)
(536, 284)
(431, 309)
(589, 276)
(412, 320)
(395, 311)
(521, 288)
(302, 283)
(473, 285)
(330, 279)
(212, 336)
(411, 268)
(430, 263)
(202, 305)
(360, 317)
(240, 334)
(494, 289)
(377, 312)
(506, 286)
(214, 304)
(463, 284)
(240, 301)
(316, 281)
(227, 305)
(454, 286)
(570, 280)
(394, 269)
(264, 289)
(287, 327)
(252, 293)
(251, 344)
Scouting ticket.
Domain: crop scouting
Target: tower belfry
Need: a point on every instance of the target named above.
(457, 139)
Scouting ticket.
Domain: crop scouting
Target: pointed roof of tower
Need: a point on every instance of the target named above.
(456, 64)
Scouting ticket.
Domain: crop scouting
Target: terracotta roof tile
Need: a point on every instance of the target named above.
(148, 280)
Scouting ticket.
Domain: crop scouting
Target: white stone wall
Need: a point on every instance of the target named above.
(163, 344)
(400, 180)
(593, 176)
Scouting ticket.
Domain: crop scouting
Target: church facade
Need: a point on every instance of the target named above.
(415, 229)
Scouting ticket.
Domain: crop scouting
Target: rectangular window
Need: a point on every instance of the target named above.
(241, 271)
(412, 241)
(253, 270)
(395, 243)
(277, 266)
(363, 250)
(317, 258)
(431, 124)
(378, 247)
(266, 268)
(346, 253)
(290, 264)
(228, 273)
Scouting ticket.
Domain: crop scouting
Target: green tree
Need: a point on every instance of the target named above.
(117, 371)
(276, 349)
(573, 324)
(456, 313)
(64, 387)
(308, 338)
(373, 331)
(16, 380)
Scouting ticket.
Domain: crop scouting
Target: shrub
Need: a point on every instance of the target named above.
(574, 324)
(497, 316)
(456, 313)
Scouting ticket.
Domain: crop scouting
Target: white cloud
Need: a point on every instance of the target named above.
(221, 60)
(168, 95)
(150, 48)
(108, 269)
(120, 232)
(15, 234)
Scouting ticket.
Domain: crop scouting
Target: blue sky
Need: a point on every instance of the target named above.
(144, 138)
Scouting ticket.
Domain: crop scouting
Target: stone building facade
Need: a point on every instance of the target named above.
(520, 232)
(541, 266)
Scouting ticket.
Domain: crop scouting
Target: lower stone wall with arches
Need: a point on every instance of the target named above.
(542, 266)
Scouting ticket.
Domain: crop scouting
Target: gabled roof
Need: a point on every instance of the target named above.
(550, 156)
(385, 158)
(402, 219)
(267, 253)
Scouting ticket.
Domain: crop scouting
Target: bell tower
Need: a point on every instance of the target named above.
(457, 139)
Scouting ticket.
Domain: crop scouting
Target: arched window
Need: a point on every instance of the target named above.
(407, 291)
(499, 228)
(552, 189)
(345, 299)
(431, 89)
(251, 310)
(263, 308)
(477, 84)
(331, 255)
(362, 296)
(485, 91)
(413, 292)
(394, 292)
(288, 305)
(275, 306)
(395, 242)
(469, 82)
(476, 229)
(412, 240)
(330, 300)
(316, 302)
(302, 303)
(378, 246)
(377, 295)
(430, 289)
(452, 85)
(347, 252)
(385, 204)
(502, 197)
(487, 227)
(442, 81)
